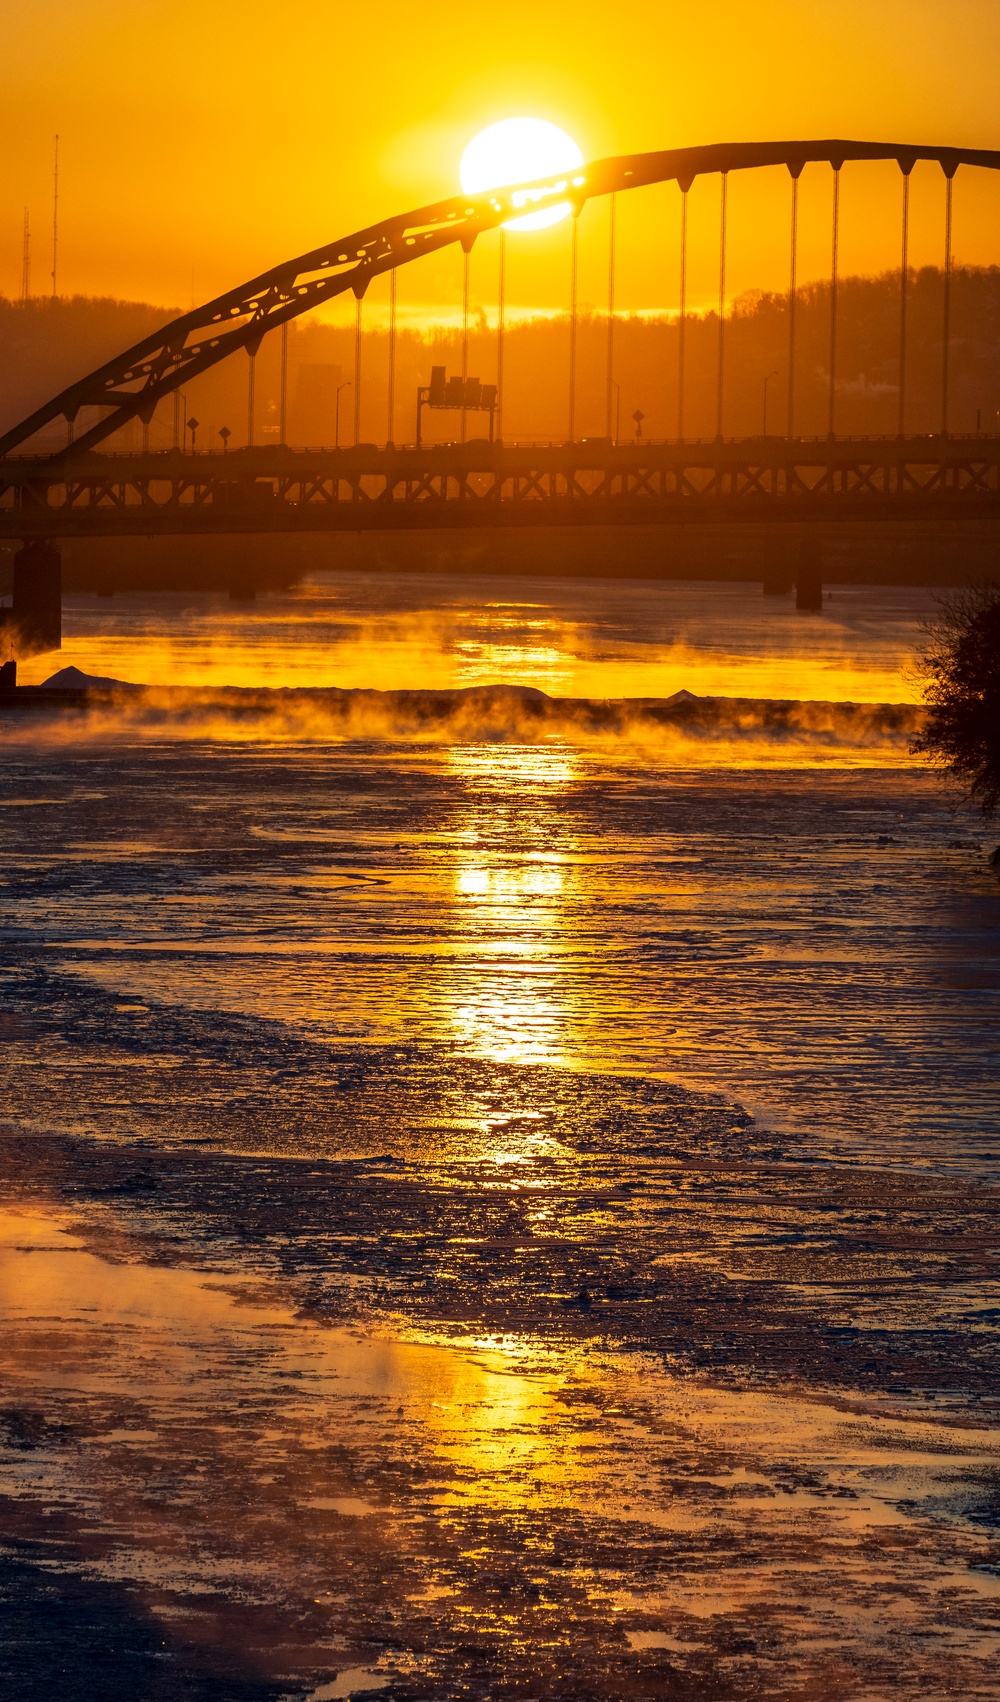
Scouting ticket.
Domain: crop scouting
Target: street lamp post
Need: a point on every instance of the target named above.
(766, 383)
(336, 413)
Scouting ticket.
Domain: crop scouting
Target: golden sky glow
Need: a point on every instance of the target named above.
(199, 147)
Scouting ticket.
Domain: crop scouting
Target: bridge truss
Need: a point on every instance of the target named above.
(486, 485)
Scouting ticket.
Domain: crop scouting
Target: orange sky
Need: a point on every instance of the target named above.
(208, 143)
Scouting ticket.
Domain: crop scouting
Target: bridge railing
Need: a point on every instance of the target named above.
(484, 485)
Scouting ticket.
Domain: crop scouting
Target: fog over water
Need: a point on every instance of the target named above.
(572, 638)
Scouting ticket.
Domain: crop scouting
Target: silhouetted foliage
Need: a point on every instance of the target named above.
(961, 671)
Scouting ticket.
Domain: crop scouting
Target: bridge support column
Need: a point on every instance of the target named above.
(809, 578)
(36, 615)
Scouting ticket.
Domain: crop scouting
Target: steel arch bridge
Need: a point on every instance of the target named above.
(80, 491)
(136, 381)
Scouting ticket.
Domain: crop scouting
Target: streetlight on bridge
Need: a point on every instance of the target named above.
(336, 411)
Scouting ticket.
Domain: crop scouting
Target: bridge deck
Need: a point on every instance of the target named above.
(477, 484)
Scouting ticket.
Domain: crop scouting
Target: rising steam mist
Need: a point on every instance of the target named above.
(683, 731)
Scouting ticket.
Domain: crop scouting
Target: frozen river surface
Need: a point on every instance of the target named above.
(495, 1218)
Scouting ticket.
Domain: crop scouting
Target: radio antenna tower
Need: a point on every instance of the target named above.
(55, 218)
(26, 260)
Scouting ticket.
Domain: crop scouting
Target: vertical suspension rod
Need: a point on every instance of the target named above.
(792, 284)
(834, 259)
(608, 410)
(251, 396)
(283, 390)
(904, 279)
(501, 313)
(682, 319)
(720, 375)
(572, 324)
(946, 327)
(357, 371)
(391, 428)
(465, 332)
(55, 219)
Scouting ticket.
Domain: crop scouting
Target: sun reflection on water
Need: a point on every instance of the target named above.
(507, 770)
(512, 890)
(543, 666)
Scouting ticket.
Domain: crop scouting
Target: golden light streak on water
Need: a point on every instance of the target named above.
(574, 638)
(514, 903)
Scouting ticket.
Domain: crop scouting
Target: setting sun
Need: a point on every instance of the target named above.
(518, 150)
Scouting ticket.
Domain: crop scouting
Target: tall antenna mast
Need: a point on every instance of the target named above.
(55, 218)
(26, 260)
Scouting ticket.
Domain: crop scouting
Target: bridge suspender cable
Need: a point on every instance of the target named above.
(722, 303)
(682, 319)
(357, 368)
(391, 438)
(501, 314)
(834, 259)
(283, 388)
(904, 279)
(796, 171)
(574, 247)
(466, 257)
(608, 401)
(135, 381)
(946, 329)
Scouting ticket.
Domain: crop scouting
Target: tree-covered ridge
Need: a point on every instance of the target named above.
(45, 344)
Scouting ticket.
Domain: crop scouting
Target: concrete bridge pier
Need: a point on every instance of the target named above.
(35, 619)
(809, 576)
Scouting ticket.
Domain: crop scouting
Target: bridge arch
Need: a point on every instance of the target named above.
(132, 384)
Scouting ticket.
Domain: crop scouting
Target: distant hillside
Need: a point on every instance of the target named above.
(45, 344)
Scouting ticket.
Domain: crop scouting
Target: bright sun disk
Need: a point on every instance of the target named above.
(518, 150)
